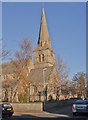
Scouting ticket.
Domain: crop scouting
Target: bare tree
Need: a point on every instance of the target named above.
(20, 68)
(3, 52)
(3, 55)
(79, 84)
(63, 74)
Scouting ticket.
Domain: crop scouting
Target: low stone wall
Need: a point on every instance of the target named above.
(27, 107)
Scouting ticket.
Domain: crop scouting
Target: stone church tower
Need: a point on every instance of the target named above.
(44, 55)
(44, 58)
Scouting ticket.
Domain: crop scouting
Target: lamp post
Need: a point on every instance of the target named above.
(29, 91)
(44, 84)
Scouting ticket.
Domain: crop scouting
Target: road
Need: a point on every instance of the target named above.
(63, 113)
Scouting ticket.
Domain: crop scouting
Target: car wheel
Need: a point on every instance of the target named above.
(74, 113)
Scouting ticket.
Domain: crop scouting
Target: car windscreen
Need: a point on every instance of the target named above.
(86, 98)
(81, 102)
(6, 105)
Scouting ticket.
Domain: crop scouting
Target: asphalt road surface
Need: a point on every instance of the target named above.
(63, 113)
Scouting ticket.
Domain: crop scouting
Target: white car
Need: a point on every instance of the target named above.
(80, 106)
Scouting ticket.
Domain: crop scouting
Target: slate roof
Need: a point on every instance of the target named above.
(36, 75)
(7, 68)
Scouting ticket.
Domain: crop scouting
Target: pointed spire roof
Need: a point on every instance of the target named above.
(43, 34)
(44, 39)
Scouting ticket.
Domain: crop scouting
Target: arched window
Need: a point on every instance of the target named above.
(39, 58)
(42, 57)
(41, 43)
(35, 89)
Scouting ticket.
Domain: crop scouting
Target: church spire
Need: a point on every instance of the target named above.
(44, 55)
(44, 38)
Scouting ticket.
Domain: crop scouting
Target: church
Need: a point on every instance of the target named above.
(43, 77)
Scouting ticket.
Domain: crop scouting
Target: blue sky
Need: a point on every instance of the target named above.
(66, 25)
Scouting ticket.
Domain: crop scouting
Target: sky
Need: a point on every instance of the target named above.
(66, 23)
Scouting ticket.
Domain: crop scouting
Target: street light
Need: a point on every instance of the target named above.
(29, 91)
(44, 84)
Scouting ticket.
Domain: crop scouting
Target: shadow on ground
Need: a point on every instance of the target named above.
(31, 117)
(66, 113)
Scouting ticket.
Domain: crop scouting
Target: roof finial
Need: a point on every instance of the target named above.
(43, 9)
(43, 5)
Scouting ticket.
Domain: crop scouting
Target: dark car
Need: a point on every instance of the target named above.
(80, 106)
(7, 109)
(86, 98)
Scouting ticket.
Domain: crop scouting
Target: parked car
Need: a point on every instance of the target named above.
(7, 109)
(86, 98)
(80, 106)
